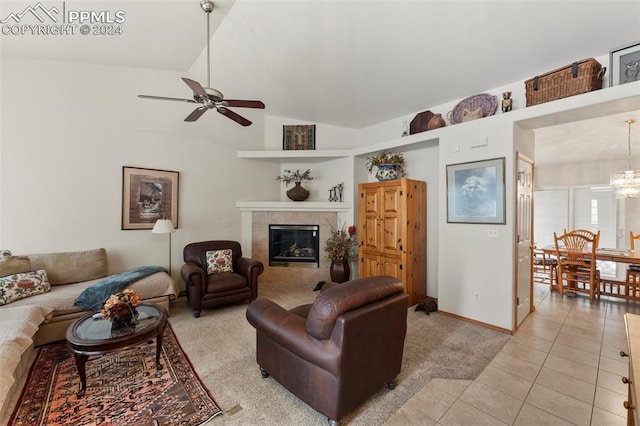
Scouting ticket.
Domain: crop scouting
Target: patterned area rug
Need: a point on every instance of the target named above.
(123, 388)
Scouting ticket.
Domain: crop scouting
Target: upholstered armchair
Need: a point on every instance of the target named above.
(337, 352)
(226, 278)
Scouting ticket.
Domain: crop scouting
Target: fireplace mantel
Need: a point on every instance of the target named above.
(292, 206)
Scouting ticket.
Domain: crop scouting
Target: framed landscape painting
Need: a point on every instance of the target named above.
(148, 195)
(299, 137)
(475, 192)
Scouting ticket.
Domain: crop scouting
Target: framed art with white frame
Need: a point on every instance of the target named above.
(475, 192)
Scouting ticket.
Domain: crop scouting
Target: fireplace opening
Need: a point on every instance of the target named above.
(294, 245)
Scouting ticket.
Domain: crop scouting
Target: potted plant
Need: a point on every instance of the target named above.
(297, 193)
(339, 248)
(390, 165)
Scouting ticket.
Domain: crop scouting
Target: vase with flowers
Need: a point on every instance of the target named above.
(390, 165)
(340, 248)
(297, 193)
(120, 308)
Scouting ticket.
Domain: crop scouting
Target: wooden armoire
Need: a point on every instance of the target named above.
(392, 233)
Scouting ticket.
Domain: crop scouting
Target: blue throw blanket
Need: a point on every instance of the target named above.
(92, 298)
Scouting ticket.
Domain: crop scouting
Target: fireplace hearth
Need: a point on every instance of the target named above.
(294, 245)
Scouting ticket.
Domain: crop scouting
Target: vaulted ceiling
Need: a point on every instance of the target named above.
(349, 63)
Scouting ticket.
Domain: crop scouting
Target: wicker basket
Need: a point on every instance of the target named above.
(579, 77)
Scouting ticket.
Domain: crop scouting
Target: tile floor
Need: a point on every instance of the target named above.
(563, 367)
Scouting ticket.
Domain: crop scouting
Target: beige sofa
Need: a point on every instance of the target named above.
(44, 318)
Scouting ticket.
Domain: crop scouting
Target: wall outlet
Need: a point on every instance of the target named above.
(492, 232)
(476, 296)
(226, 223)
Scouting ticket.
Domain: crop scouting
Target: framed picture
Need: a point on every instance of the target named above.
(148, 195)
(299, 137)
(624, 64)
(475, 192)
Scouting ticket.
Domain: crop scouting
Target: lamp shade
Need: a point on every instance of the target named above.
(163, 226)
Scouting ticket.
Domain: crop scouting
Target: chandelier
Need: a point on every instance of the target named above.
(626, 183)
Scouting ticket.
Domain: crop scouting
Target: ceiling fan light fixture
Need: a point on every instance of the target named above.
(206, 5)
(207, 97)
(626, 183)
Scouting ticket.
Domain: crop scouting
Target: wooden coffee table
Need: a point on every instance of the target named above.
(94, 336)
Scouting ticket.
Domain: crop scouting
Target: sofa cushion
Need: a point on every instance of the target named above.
(219, 261)
(19, 325)
(72, 267)
(10, 265)
(19, 286)
(62, 297)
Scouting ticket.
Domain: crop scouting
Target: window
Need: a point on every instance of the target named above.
(592, 208)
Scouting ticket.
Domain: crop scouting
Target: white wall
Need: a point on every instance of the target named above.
(67, 129)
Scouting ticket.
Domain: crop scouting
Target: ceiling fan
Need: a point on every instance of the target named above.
(207, 97)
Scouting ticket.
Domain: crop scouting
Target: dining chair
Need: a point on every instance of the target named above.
(633, 271)
(585, 232)
(544, 268)
(576, 254)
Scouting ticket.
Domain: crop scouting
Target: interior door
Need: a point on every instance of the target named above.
(524, 243)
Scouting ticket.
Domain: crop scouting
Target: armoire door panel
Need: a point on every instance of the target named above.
(391, 199)
(391, 266)
(370, 233)
(392, 235)
(370, 266)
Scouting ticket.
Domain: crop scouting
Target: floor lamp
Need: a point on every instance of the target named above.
(165, 226)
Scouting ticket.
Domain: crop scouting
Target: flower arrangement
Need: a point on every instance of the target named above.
(340, 243)
(291, 176)
(121, 304)
(386, 158)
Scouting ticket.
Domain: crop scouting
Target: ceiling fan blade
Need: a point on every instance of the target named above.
(164, 98)
(196, 87)
(196, 114)
(235, 117)
(243, 103)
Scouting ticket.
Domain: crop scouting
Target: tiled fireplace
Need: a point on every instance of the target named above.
(256, 219)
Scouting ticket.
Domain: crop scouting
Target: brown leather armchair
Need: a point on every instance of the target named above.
(337, 352)
(208, 290)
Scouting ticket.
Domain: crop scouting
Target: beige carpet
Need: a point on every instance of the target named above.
(221, 346)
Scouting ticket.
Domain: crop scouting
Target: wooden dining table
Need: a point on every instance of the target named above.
(608, 286)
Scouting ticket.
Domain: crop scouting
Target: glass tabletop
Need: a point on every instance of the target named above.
(96, 328)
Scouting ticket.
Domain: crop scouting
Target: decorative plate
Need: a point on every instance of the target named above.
(487, 102)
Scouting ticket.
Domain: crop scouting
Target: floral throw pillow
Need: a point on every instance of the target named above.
(18, 286)
(219, 261)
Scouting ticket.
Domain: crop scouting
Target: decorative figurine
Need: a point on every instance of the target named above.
(507, 102)
(405, 128)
